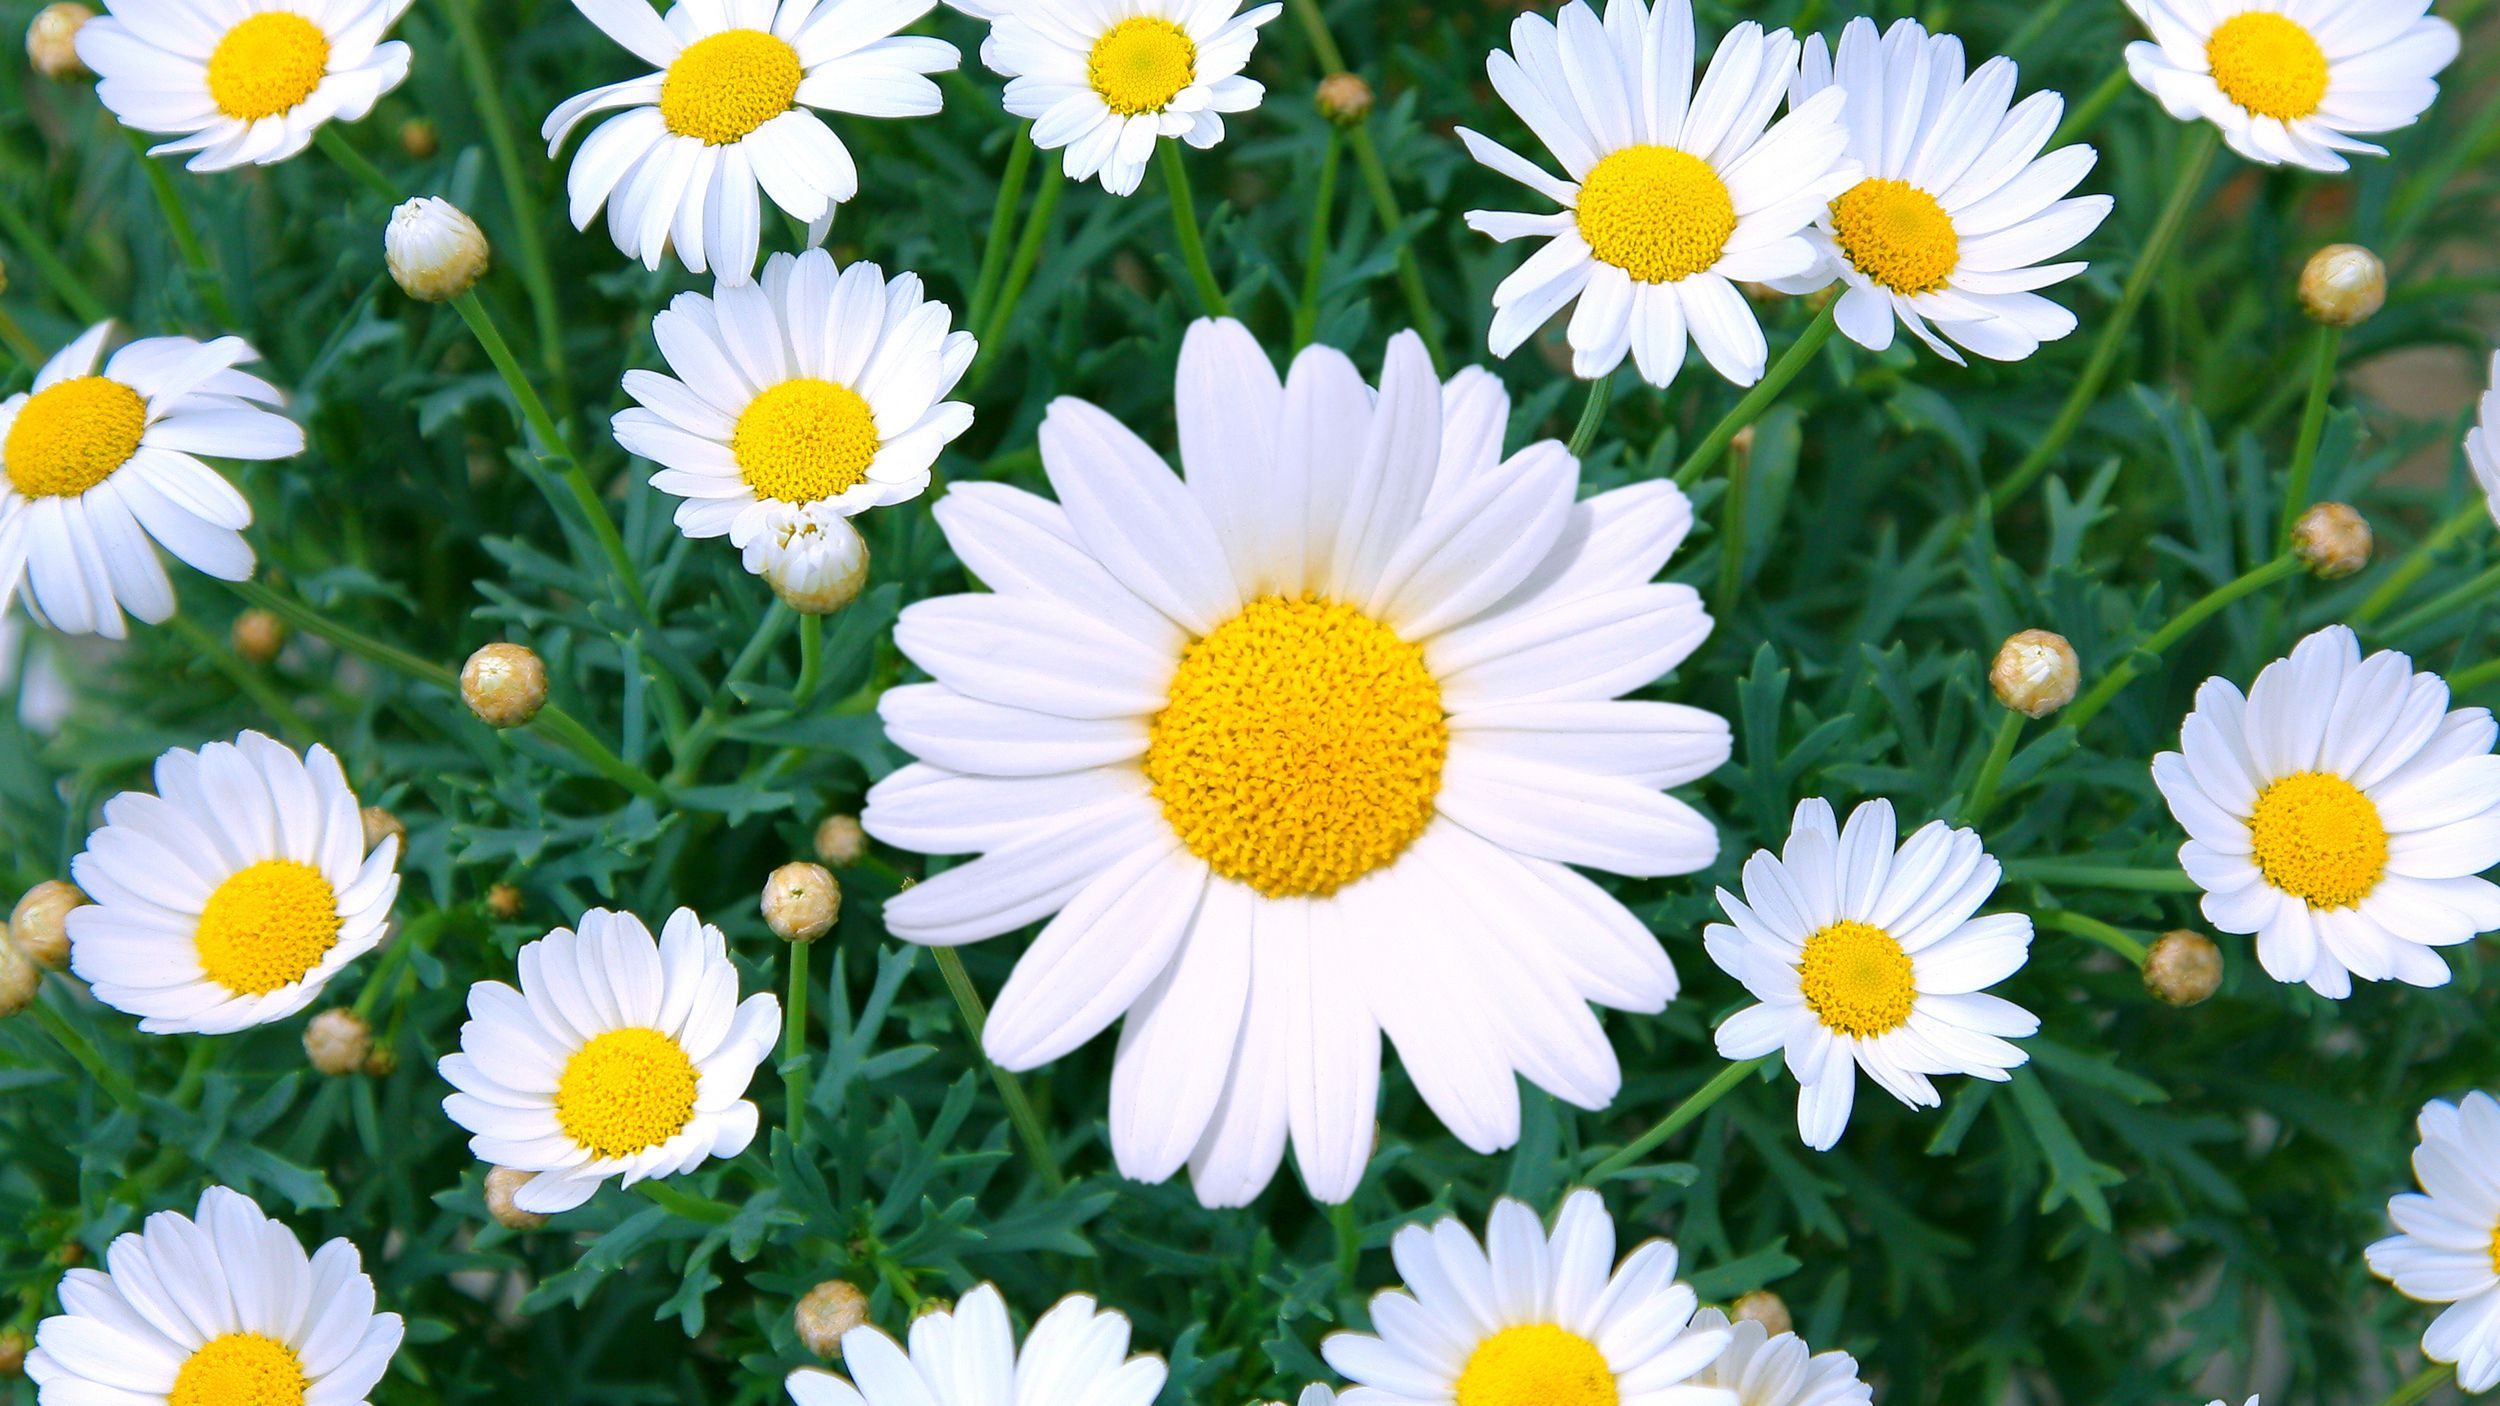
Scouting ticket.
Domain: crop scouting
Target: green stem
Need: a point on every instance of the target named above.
(1759, 399)
(705, 733)
(2040, 23)
(245, 678)
(36, 248)
(1185, 227)
(2312, 425)
(811, 659)
(364, 646)
(2421, 1384)
(994, 250)
(1010, 1090)
(2474, 678)
(2082, 925)
(2475, 592)
(336, 147)
(2419, 561)
(1983, 791)
(1675, 1122)
(1410, 269)
(566, 731)
(2081, 874)
(1592, 415)
(1732, 532)
(693, 1207)
(794, 1060)
(2081, 117)
(78, 1047)
(1315, 249)
(486, 87)
(186, 235)
(1315, 28)
(19, 343)
(2126, 670)
(1020, 270)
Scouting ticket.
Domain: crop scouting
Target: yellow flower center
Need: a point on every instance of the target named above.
(725, 86)
(1539, 1365)
(240, 1369)
(1857, 980)
(2495, 1249)
(267, 64)
(2269, 65)
(71, 436)
(2317, 837)
(625, 1091)
(1301, 746)
(266, 926)
(1142, 64)
(1658, 214)
(1897, 235)
(805, 440)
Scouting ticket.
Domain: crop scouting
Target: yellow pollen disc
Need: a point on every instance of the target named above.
(2269, 65)
(2315, 836)
(1658, 214)
(240, 1369)
(266, 926)
(2495, 1249)
(1301, 746)
(1857, 980)
(805, 440)
(1897, 235)
(1539, 1365)
(1142, 64)
(266, 65)
(625, 1091)
(726, 86)
(71, 436)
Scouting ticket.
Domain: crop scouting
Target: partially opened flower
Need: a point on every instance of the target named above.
(1076, 1355)
(1765, 1368)
(246, 82)
(2482, 442)
(2447, 1249)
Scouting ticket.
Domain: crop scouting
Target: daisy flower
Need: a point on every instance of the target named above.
(225, 1308)
(1869, 957)
(2482, 443)
(729, 112)
(230, 897)
(101, 470)
(809, 396)
(2447, 1249)
(2289, 82)
(246, 82)
(1672, 194)
(2341, 813)
(1958, 207)
(1767, 1369)
(1528, 1319)
(1076, 1355)
(1300, 750)
(1106, 81)
(618, 1056)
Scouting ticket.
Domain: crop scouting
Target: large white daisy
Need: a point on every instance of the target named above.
(2482, 442)
(2341, 813)
(2447, 1245)
(1670, 195)
(2289, 82)
(224, 1310)
(1300, 751)
(729, 112)
(1076, 1355)
(1778, 1369)
(618, 1056)
(1869, 957)
(99, 464)
(245, 81)
(230, 897)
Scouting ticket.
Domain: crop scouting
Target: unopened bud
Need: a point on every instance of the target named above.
(2344, 285)
(337, 1042)
(434, 251)
(2035, 673)
(504, 901)
(258, 636)
(13, 1349)
(1344, 98)
(502, 1184)
(932, 1305)
(801, 901)
(2331, 540)
(827, 1312)
(1740, 444)
(40, 922)
(381, 825)
(504, 684)
(816, 562)
(2183, 967)
(20, 978)
(382, 1063)
(69, 1254)
(52, 40)
(1766, 1308)
(840, 842)
(418, 139)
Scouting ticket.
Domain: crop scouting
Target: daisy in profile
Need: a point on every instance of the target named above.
(1946, 234)
(101, 469)
(809, 396)
(230, 897)
(2482, 443)
(1106, 82)
(1869, 957)
(1778, 1369)
(2447, 1245)
(731, 109)
(1076, 1355)
(2293, 82)
(2341, 813)
(1528, 1319)
(1355, 674)
(1670, 194)
(245, 82)
(221, 1310)
(619, 1056)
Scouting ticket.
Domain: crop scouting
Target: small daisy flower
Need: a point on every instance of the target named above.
(1671, 194)
(812, 395)
(1958, 207)
(1107, 81)
(2341, 813)
(2447, 1249)
(101, 468)
(2482, 443)
(1869, 957)
(230, 897)
(1076, 1355)
(1778, 1369)
(2290, 82)
(618, 1056)
(728, 113)
(1528, 1319)
(221, 1310)
(247, 82)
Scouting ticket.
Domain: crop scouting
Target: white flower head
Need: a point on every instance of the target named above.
(101, 468)
(1867, 956)
(2447, 1246)
(618, 1056)
(230, 897)
(2293, 82)
(2341, 813)
(2482, 442)
(1778, 1369)
(1076, 1355)
(246, 82)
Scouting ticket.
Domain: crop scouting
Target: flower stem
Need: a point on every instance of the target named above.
(1020, 269)
(994, 250)
(2082, 116)
(2419, 561)
(1185, 228)
(2312, 425)
(537, 278)
(2421, 1384)
(794, 1059)
(246, 680)
(811, 659)
(1759, 399)
(79, 1048)
(1315, 250)
(1592, 415)
(688, 1204)
(353, 162)
(51, 272)
(2466, 682)
(1732, 533)
(2082, 925)
(2083, 874)
(1010, 1089)
(2475, 592)
(705, 733)
(1983, 791)
(1675, 1122)
(2126, 670)
(186, 235)
(562, 728)
(19, 343)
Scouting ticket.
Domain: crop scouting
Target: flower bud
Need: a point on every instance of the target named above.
(435, 252)
(52, 40)
(2035, 673)
(258, 636)
(2344, 285)
(801, 901)
(816, 562)
(380, 825)
(830, 1309)
(69, 1254)
(1344, 98)
(932, 1304)
(840, 842)
(504, 684)
(382, 1063)
(418, 139)
(504, 901)
(2331, 540)
(501, 1184)
(13, 1349)
(40, 922)
(337, 1042)
(1740, 444)
(1766, 1308)
(2183, 967)
(20, 978)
